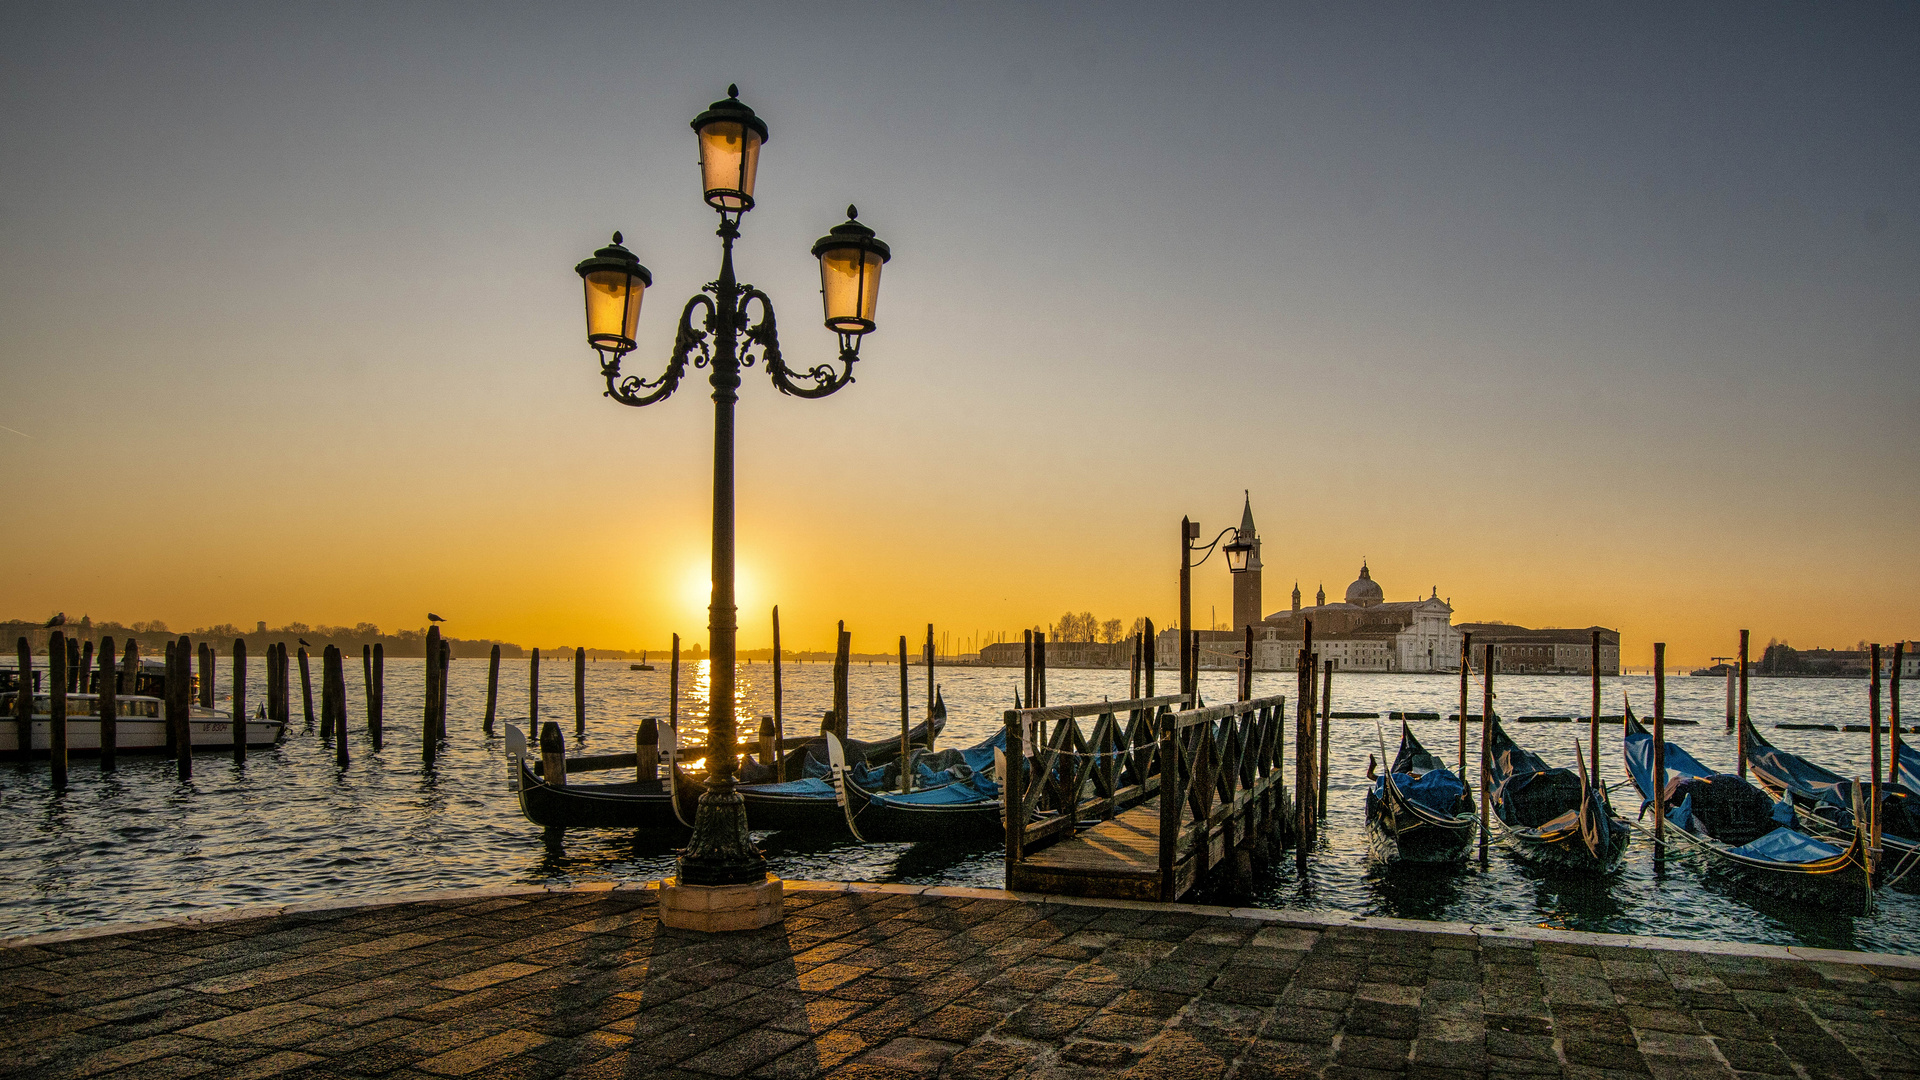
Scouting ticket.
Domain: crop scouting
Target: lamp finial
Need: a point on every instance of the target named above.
(733, 90)
(852, 211)
(616, 236)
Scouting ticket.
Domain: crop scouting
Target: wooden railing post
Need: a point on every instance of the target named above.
(1172, 795)
(1013, 791)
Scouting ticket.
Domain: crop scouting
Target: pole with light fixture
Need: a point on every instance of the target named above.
(717, 332)
(1237, 553)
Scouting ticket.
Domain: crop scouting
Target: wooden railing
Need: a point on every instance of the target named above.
(1057, 776)
(1220, 781)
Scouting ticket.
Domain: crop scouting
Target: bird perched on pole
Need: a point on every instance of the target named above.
(59, 619)
(431, 617)
(303, 641)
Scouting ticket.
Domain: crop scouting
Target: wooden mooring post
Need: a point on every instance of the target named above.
(1873, 758)
(306, 688)
(533, 691)
(579, 692)
(85, 674)
(1303, 724)
(673, 686)
(906, 743)
(179, 692)
(1893, 713)
(73, 666)
(646, 750)
(57, 709)
(206, 675)
(1486, 747)
(779, 721)
(1040, 670)
(842, 653)
(1740, 740)
(377, 712)
(239, 701)
(493, 690)
(441, 684)
(1147, 660)
(333, 696)
(23, 703)
(1326, 717)
(1593, 719)
(130, 667)
(1026, 669)
(109, 709)
(1246, 667)
(429, 723)
(1659, 769)
(1466, 668)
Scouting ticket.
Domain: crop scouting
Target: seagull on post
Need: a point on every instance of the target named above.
(59, 619)
(431, 617)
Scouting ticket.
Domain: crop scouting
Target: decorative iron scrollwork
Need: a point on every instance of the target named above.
(691, 340)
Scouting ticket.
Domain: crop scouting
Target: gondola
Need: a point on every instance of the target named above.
(1826, 798)
(1906, 767)
(806, 802)
(1553, 816)
(964, 810)
(1418, 811)
(1742, 831)
(647, 805)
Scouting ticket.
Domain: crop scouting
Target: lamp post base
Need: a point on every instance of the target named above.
(720, 908)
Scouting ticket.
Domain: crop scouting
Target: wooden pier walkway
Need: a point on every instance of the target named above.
(1089, 814)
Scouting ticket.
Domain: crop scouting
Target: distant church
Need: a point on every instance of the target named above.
(1363, 633)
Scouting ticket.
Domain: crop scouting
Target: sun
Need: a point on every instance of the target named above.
(695, 591)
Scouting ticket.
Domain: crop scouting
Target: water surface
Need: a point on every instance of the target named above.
(291, 826)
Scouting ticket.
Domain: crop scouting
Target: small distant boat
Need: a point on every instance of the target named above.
(642, 665)
(1418, 811)
(964, 810)
(1827, 798)
(1554, 816)
(1742, 831)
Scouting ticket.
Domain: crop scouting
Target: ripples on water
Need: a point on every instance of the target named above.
(291, 827)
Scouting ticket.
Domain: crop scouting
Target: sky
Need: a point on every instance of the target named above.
(1577, 315)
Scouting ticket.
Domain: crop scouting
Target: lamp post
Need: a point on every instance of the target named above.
(716, 333)
(1237, 553)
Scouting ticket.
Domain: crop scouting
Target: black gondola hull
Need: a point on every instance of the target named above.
(633, 805)
(880, 821)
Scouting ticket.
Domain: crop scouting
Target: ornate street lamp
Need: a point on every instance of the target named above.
(716, 333)
(1237, 553)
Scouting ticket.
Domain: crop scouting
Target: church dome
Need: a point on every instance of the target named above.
(1365, 592)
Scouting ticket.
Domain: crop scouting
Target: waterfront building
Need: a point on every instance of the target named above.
(1523, 651)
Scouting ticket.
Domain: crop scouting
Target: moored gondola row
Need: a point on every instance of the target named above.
(1801, 832)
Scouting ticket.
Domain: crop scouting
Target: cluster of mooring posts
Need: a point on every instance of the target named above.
(124, 706)
(770, 742)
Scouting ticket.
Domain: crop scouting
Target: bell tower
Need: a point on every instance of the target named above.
(1246, 584)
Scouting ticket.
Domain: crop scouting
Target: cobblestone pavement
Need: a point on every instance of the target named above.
(880, 984)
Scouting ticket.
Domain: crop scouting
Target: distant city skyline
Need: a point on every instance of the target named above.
(1584, 316)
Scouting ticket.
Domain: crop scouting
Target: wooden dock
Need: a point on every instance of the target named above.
(1089, 814)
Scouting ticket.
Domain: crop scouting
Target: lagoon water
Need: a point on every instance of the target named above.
(291, 827)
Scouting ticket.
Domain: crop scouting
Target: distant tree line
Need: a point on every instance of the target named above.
(1085, 626)
(154, 634)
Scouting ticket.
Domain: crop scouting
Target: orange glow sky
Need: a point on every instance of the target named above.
(1580, 317)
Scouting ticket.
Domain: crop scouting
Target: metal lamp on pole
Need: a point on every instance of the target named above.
(718, 332)
(1237, 553)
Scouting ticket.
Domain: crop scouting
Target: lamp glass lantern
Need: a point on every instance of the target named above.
(850, 260)
(730, 140)
(1237, 553)
(615, 284)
